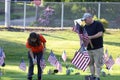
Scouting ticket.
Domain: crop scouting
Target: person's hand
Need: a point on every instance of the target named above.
(84, 38)
(34, 61)
(90, 37)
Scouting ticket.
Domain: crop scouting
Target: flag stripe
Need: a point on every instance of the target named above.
(80, 58)
(81, 62)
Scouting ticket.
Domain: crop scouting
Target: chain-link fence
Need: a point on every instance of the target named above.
(54, 14)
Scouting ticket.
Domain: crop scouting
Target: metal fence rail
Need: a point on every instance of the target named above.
(59, 14)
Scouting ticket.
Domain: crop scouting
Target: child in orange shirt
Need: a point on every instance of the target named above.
(36, 45)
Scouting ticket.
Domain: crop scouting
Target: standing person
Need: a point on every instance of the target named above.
(95, 32)
(36, 46)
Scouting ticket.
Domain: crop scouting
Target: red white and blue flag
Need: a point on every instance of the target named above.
(22, 65)
(59, 66)
(2, 56)
(77, 28)
(117, 61)
(82, 33)
(64, 57)
(52, 59)
(81, 59)
(109, 63)
(42, 63)
(106, 56)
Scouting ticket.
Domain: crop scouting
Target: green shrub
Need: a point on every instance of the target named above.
(103, 21)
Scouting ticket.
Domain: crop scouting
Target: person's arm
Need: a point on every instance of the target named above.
(44, 45)
(33, 59)
(99, 34)
(31, 54)
(43, 40)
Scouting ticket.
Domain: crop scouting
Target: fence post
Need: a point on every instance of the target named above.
(99, 7)
(62, 15)
(24, 23)
(7, 13)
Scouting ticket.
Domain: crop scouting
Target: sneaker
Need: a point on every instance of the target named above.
(92, 76)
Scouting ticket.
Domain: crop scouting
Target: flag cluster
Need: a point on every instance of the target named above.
(81, 59)
(82, 33)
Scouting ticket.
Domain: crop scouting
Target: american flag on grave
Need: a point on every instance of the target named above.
(52, 59)
(81, 59)
(42, 63)
(2, 56)
(59, 66)
(117, 61)
(106, 56)
(64, 56)
(22, 65)
(109, 63)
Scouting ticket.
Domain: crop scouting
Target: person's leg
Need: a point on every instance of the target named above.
(91, 65)
(39, 57)
(31, 67)
(98, 61)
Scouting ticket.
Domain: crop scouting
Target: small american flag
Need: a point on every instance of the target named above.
(109, 63)
(59, 66)
(1, 61)
(81, 59)
(22, 65)
(106, 56)
(52, 59)
(2, 56)
(117, 61)
(86, 40)
(83, 35)
(77, 28)
(42, 63)
(64, 57)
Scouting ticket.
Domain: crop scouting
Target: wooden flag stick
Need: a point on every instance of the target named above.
(91, 44)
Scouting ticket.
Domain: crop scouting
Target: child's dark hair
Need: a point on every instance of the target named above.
(36, 36)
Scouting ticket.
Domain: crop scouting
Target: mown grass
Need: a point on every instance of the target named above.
(58, 41)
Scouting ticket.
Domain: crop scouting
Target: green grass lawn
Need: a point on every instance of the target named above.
(58, 41)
